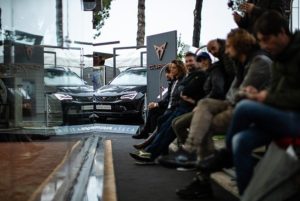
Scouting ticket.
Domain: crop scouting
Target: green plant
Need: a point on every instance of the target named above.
(101, 16)
(180, 48)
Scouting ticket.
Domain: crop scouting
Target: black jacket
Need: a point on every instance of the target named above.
(165, 101)
(175, 95)
(226, 65)
(284, 91)
(192, 86)
(214, 86)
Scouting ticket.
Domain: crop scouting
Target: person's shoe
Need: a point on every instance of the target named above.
(142, 156)
(182, 169)
(181, 158)
(141, 135)
(144, 163)
(145, 143)
(216, 162)
(195, 190)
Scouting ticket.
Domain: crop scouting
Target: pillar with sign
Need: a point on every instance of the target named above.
(161, 50)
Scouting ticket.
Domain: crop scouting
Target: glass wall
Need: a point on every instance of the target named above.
(40, 64)
(37, 36)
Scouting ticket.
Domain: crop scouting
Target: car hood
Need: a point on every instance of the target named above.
(112, 90)
(70, 89)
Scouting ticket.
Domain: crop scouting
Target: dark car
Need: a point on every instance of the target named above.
(61, 85)
(123, 97)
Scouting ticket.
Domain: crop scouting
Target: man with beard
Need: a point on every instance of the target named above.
(186, 94)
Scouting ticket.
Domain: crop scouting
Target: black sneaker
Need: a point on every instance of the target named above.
(216, 162)
(195, 190)
(181, 158)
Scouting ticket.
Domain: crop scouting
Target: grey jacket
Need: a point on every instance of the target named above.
(256, 72)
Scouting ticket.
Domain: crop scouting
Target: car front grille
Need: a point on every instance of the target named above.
(107, 98)
(83, 98)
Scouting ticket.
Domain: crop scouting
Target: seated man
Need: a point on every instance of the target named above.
(188, 92)
(211, 115)
(214, 87)
(156, 109)
(272, 113)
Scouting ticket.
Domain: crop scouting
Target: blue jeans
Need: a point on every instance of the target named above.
(253, 125)
(165, 134)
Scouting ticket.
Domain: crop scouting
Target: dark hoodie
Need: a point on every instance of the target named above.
(284, 92)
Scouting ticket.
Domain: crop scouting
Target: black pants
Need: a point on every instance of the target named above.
(153, 119)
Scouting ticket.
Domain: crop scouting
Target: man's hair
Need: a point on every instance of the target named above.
(190, 54)
(271, 23)
(242, 41)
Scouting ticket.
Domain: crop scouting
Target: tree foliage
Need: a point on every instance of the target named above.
(100, 17)
(180, 48)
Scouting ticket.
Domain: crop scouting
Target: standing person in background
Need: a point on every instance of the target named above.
(97, 78)
(253, 9)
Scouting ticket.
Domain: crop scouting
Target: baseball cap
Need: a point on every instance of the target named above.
(203, 55)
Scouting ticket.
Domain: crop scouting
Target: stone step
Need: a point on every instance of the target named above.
(226, 180)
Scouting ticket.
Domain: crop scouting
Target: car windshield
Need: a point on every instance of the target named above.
(131, 77)
(56, 77)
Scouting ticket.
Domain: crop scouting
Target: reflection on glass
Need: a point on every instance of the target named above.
(56, 77)
(127, 78)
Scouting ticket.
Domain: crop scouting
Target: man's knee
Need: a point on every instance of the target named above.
(221, 121)
(239, 144)
(245, 106)
(203, 102)
(182, 121)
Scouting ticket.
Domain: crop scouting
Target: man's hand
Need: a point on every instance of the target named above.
(236, 17)
(187, 99)
(247, 7)
(261, 96)
(250, 89)
(152, 105)
(257, 96)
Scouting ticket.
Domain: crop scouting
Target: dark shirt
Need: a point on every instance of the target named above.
(284, 91)
(214, 86)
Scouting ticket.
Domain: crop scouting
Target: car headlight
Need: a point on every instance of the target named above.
(130, 95)
(63, 97)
